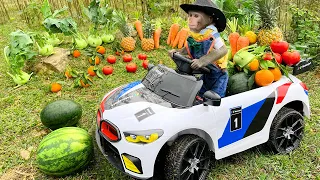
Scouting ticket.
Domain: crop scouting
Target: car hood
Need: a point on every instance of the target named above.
(131, 93)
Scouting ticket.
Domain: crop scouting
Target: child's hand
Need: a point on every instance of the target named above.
(196, 64)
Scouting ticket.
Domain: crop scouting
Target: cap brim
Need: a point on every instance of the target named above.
(211, 11)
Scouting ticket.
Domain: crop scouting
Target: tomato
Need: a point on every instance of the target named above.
(111, 59)
(267, 56)
(107, 70)
(127, 58)
(131, 67)
(278, 57)
(145, 64)
(279, 46)
(142, 56)
(291, 58)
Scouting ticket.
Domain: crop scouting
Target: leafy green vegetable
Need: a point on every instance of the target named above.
(17, 53)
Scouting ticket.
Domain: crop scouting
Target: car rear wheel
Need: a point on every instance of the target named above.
(188, 158)
(286, 131)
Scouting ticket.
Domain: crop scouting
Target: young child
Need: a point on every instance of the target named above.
(205, 46)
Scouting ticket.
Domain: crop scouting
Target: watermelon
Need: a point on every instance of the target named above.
(61, 113)
(64, 151)
(238, 83)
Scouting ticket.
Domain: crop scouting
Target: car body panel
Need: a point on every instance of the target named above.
(218, 125)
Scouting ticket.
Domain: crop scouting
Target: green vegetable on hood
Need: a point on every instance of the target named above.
(16, 54)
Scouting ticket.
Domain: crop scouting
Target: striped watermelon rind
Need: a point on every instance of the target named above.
(61, 113)
(64, 151)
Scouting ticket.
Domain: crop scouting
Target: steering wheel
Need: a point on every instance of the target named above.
(183, 64)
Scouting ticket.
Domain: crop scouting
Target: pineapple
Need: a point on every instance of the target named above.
(269, 31)
(128, 43)
(147, 43)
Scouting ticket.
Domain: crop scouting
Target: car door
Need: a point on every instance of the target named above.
(241, 120)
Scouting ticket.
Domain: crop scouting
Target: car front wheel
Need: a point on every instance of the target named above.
(188, 158)
(286, 131)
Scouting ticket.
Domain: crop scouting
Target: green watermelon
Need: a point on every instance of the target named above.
(64, 151)
(238, 83)
(61, 113)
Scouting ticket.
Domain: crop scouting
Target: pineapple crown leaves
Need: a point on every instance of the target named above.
(232, 24)
(148, 27)
(121, 21)
(267, 13)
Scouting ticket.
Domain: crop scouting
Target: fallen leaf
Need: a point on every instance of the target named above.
(25, 154)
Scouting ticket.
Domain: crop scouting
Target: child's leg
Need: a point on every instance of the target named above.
(216, 81)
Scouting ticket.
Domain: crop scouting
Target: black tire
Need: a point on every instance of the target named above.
(286, 131)
(188, 158)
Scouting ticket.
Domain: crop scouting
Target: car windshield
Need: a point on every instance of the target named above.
(171, 86)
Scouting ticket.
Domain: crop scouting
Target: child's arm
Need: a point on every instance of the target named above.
(213, 56)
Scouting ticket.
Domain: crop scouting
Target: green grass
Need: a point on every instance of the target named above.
(21, 128)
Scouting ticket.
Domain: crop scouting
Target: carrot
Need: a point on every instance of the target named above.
(138, 26)
(169, 37)
(185, 43)
(174, 29)
(183, 37)
(156, 38)
(242, 42)
(176, 40)
(233, 39)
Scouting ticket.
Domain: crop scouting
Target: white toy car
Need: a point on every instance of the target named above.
(141, 122)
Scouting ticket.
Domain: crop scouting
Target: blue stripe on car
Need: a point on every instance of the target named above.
(248, 115)
(127, 88)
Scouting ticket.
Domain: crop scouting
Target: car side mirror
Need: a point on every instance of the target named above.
(211, 98)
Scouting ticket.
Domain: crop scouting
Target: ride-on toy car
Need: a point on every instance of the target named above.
(138, 121)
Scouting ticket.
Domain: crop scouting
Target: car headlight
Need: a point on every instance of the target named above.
(143, 137)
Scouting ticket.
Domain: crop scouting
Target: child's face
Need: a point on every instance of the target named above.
(198, 20)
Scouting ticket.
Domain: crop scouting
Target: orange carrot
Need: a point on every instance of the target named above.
(174, 31)
(233, 38)
(169, 37)
(176, 40)
(242, 42)
(183, 37)
(138, 26)
(156, 38)
(185, 43)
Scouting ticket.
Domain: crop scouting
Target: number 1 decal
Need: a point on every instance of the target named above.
(236, 118)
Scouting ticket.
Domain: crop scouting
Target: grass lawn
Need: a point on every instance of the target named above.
(21, 129)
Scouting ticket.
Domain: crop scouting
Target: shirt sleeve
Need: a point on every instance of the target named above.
(218, 40)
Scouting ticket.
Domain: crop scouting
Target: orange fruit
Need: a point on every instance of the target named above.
(55, 87)
(264, 77)
(96, 61)
(101, 50)
(276, 73)
(76, 53)
(91, 71)
(254, 65)
(67, 74)
(83, 84)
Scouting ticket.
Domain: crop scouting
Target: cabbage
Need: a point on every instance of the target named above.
(94, 41)
(46, 50)
(54, 41)
(81, 43)
(107, 38)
